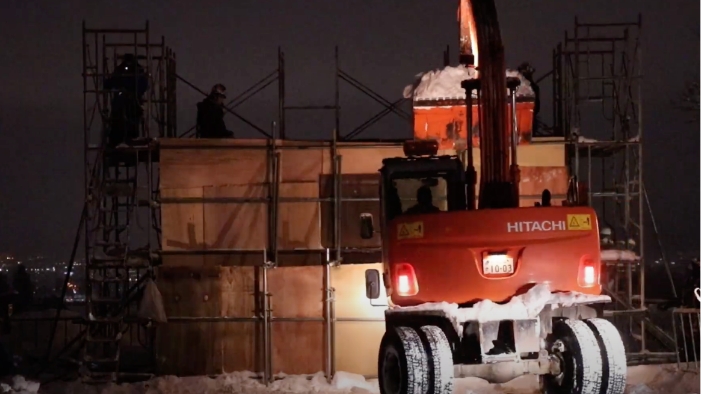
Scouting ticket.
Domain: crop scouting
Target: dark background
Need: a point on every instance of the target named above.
(382, 43)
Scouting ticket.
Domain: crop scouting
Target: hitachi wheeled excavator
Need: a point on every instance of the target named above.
(477, 285)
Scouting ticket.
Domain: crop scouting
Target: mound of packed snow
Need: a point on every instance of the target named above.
(644, 379)
(444, 84)
(526, 306)
(230, 383)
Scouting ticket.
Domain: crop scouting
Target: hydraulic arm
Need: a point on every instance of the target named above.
(481, 45)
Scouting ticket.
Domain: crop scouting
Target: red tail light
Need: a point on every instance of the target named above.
(405, 280)
(588, 273)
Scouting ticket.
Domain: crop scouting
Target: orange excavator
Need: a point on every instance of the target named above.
(478, 286)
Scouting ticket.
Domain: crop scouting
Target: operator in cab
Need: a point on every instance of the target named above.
(210, 115)
(424, 202)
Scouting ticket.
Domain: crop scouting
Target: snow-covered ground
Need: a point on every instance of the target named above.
(445, 84)
(647, 379)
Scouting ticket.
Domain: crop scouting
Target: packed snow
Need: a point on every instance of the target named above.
(445, 84)
(618, 255)
(522, 307)
(644, 379)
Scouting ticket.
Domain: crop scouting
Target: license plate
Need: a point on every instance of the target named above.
(498, 264)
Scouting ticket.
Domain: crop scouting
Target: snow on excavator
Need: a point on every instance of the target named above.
(478, 286)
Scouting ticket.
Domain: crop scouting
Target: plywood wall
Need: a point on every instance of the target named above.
(298, 333)
(240, 169)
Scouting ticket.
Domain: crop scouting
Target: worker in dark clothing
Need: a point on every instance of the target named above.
(546, 198)
(129, 83)
(394, 203)
(22, 285)
(210, 115)
(424, 202)
(527, 71)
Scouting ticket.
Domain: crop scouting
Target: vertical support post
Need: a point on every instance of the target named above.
(267, 339)
(470, 86)
(514, 169)
(281, 92)
(337, 96)
(161, 90)
(86, 170)
(641, 184)
(576, 74)
(328, 319)
(149, 73)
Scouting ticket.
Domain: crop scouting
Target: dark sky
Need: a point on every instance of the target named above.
(383, 43)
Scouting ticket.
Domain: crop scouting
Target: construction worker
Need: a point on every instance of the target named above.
(129, 82)
(424, 202)
(210, 115)
(546, 198)
(394, 203)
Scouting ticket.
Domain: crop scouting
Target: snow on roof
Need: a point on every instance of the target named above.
(521, 307)
(445, 84)
(618, 255)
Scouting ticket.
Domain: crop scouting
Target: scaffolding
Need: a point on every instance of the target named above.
(126, 107)
(597, 107)
(119, 223)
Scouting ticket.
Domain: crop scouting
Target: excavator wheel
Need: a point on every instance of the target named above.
(403, 363)
(613, 356)
(440, 360)
(576, 347)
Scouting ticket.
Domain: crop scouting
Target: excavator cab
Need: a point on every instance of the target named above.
(420, 183)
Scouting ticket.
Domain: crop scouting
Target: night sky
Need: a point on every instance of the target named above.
(382, 43)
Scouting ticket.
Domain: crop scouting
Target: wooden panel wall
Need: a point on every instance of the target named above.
(220, 347)
(357, 343)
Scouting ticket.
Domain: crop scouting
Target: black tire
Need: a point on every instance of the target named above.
(575, 344)
(613, 356)
(440, 360)
(403, 363)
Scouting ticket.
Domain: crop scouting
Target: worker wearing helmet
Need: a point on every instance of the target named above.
(128, 83)
(210, 115)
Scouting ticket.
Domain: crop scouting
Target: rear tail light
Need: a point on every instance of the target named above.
(588, 273)
(405, 280)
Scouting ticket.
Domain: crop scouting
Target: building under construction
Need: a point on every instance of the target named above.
(255, 246)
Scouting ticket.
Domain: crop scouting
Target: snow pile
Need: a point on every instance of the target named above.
(653, 379)
(526, 306)
(19, 385)
(618, 255)
(445, 84)
(346, 380)
(644, 379)
(232, 383)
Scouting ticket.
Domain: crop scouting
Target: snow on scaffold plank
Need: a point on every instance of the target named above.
(614, 255)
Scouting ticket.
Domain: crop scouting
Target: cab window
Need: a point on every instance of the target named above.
(419, 196)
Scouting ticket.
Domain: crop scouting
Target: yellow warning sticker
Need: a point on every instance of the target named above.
(579, 222)
(410, 230)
